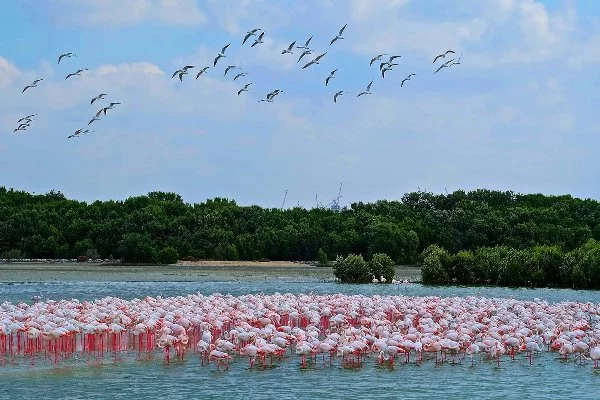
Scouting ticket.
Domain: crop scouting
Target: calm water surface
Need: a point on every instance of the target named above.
(129, 378)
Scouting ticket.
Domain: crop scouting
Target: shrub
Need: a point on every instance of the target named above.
(82, 259)
(92, 254)
(168, 255)
(322, 258)
(136, 248)
(433, 271)
(352, 269)
(12, 254)
(231, 253)
(382, 265)
(188, 258)
(461, 268)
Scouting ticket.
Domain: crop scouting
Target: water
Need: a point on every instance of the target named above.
(133, 379)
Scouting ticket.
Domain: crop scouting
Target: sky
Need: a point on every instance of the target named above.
(518, 113)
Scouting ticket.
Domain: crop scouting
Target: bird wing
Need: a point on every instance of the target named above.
(441, 66)
(99, 112)
(69, 76)
(26, 87)
(262, 34)
(255, 43)
(342, 30)
(61, 57)
(383, 72)
(188, 67)
(403, 80)
(175, 73)
(225, 48)
(308, 41)
(309, 64)
(240, 91)
(246, 37)
(438, 56)
(291, 46)
(333, 40)
(327, 80)
(382, 64)
(94, 99)
(321, 56)
(369, 86)
(216, 59)
(450, 51)
(372, 61)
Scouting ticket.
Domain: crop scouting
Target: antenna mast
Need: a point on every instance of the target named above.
(284, 197)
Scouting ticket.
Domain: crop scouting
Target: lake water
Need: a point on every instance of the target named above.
(547, 378)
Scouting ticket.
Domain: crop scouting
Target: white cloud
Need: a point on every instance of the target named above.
(120, 13)
(8, 72)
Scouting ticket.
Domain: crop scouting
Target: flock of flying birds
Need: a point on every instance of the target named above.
(384, 66)
(25, 122)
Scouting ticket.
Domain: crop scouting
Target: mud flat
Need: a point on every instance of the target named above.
(197, 271)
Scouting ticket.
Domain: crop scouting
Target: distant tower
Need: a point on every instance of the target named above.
(335, 204)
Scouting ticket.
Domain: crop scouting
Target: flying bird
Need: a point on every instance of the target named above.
(32, 85)
(376, 58)
(392, 58)
(315, 61)
(27, 117)
(76, 73)
(229, 68)
(203, 70)
(94, 119)
(112, 105)
(331, 76)
(245, 88)
(305, 52)
(305, 47)
(335, 96)
(368, 91)
(20, 128)
(68, 55)
(99, 97)
(441, 66)
(339, 35)
(182, 70)
(388, 68)
(221, 54)
(259, 40)
(443, 55)
(250, 33)
(406, 79)
(240, 75)
(289, 49)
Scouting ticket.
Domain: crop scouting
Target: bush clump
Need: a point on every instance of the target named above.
(168, 255)
(322, 258)
(382, 265)
(352, 269)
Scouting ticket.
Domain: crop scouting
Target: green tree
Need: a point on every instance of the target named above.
(352, 269)
(168, 255)
(231, 253)
(382, 265)
(322, 258)
(136, 248)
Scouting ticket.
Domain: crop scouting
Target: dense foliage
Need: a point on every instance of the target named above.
(354, 268)
(139, 228)
(539, 266)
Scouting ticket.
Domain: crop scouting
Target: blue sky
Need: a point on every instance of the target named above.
(518, 113)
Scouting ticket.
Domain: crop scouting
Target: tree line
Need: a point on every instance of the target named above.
(146, 228)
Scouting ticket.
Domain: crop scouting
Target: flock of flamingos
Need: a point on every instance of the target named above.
(319, 329)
